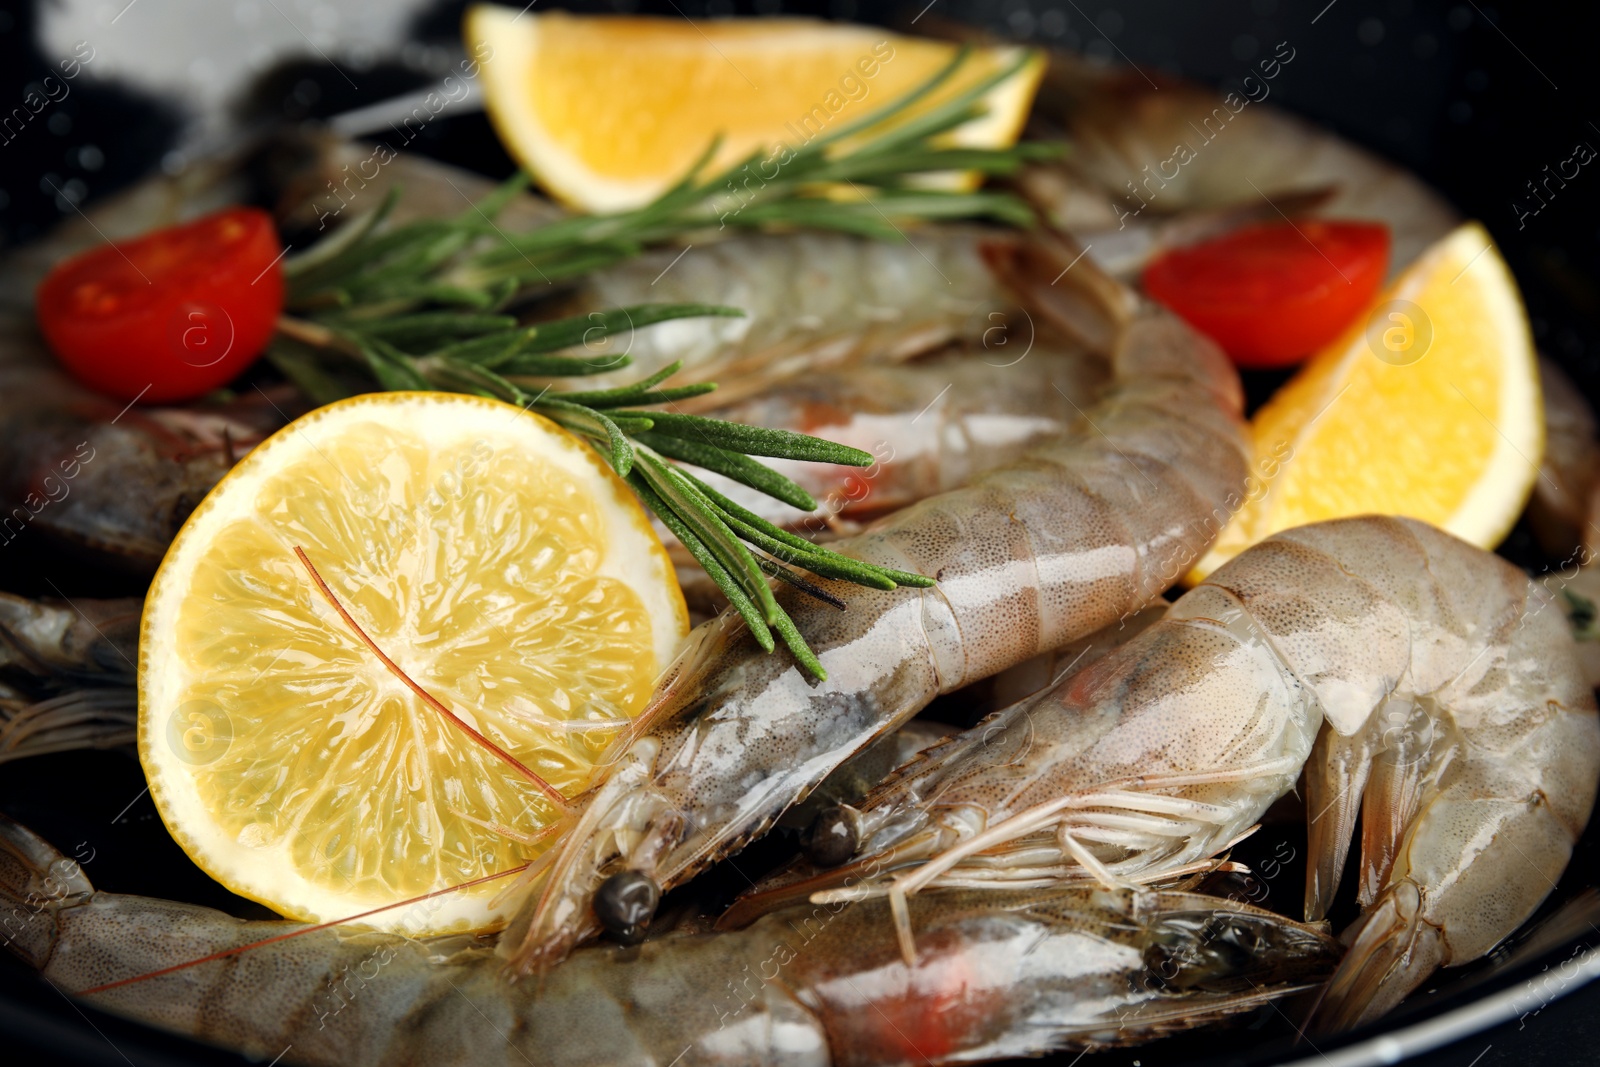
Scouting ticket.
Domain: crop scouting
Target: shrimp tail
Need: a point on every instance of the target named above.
(91, 642)
(36, 881)
(1052, 276)
(1392, 951)
(1421, 922)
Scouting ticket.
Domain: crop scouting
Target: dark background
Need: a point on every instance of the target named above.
(1478, 99)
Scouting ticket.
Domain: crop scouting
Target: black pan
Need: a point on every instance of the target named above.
(1477, 100)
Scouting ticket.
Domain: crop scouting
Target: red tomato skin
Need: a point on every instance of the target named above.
(170, 315)
(1272, 295)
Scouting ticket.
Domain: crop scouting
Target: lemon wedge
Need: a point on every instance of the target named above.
(493, 558)
(1427, 407)
(608, 113)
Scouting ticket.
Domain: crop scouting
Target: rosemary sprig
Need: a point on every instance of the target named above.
(861, 179)
(425, 305)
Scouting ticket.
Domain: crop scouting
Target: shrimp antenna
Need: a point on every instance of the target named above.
(427, 698)
(225, 953)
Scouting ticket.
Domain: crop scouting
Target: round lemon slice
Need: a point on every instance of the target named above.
(608, 113)
(493, 559)
(1428, 407)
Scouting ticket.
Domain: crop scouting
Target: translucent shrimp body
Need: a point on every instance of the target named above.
(811, 300)
(1079, 533)
(1138, 767)
(932, 424)
(1443, 696)
(1001, 975)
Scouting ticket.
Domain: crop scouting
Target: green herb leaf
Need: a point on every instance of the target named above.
(302, 366)
(732, 465)
(756, 440)
(591, 423)
(706, 558)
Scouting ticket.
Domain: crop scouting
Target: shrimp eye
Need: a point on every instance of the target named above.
(625, 903)
(833, 838)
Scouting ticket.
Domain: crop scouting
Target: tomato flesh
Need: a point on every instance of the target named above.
(1271, 295)
(170, 315)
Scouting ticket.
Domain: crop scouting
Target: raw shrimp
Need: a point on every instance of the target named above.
(1150, 168)
(1564, 512)
(1451, 710)
(932, 424)
(811, 300)
(1000, 975)
(1138, 767)
(1475, 779)
(1081, 532)
(861, 773)
(93, 641)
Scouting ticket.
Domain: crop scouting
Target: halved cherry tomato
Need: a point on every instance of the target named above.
(1271, 295)
(170, 315)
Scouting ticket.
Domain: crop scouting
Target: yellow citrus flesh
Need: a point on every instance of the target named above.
(609, 112)
(1428, 407)
(496, 559)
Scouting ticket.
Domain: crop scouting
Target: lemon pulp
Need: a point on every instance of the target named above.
(499, 564)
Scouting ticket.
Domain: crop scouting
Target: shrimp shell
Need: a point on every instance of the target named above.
(1001, 975)
(1080, 533)
(811, 301)
(1569, 472)
(932, 424)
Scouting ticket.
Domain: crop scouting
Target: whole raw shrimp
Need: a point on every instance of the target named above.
(1079, 533)
(999, 975)
(1452, 713)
